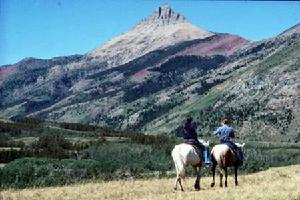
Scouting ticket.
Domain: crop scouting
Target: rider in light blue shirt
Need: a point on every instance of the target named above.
(225, 132)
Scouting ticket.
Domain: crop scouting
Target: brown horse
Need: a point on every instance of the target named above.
(224, 157)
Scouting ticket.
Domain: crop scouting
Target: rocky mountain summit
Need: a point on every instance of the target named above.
(164, 16)
(164, 27)
(165, 68)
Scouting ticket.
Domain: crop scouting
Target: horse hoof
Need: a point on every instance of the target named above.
(212, 184)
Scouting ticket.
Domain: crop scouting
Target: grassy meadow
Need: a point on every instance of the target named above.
(77, 161)
(274, 183)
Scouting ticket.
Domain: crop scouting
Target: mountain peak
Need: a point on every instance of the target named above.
(164, 27)
(164, 15)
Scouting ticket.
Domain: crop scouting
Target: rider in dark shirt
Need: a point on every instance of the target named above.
(189, 131)
(190, 137)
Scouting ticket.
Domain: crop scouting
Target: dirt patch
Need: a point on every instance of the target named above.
(4, 72)
(141, 75)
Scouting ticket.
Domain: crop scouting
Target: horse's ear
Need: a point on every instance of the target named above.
(243, 144)
(207, 142)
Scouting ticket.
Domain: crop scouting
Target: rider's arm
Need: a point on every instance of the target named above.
(185, 131)
(218, 131)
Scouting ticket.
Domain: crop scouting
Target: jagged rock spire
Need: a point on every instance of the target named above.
(164, 15)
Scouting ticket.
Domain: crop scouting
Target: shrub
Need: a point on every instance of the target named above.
(53, 146)
(29, 172)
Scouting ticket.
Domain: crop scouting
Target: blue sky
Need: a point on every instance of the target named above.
(48, 28)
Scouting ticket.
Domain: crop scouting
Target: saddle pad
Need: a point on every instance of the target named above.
(197, 149)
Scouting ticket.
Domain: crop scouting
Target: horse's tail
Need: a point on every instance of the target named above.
(212, 156)
(179, 164)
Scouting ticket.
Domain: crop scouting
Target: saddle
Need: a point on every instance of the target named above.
(237, 152)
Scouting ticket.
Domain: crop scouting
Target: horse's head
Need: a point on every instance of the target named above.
(205, 143)
(240, 145)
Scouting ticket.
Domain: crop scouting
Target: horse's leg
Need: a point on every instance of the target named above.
(197, 182)
(176, 181)
(199, 176)
(235, 174)
(178, 178)
(226, 173)
(213, 169)
(221, 177)
(177, 175)
(179, 181)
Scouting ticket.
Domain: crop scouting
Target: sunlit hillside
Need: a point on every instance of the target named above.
(274, 183)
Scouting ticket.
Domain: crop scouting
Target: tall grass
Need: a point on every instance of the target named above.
(276, 183)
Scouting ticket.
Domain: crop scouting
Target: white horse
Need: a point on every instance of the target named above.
(224, 157)
(185, 154)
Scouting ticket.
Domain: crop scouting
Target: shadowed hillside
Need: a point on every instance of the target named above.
(257, 91)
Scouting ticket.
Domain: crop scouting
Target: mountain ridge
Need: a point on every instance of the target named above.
(128, 86)
(292, 30)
